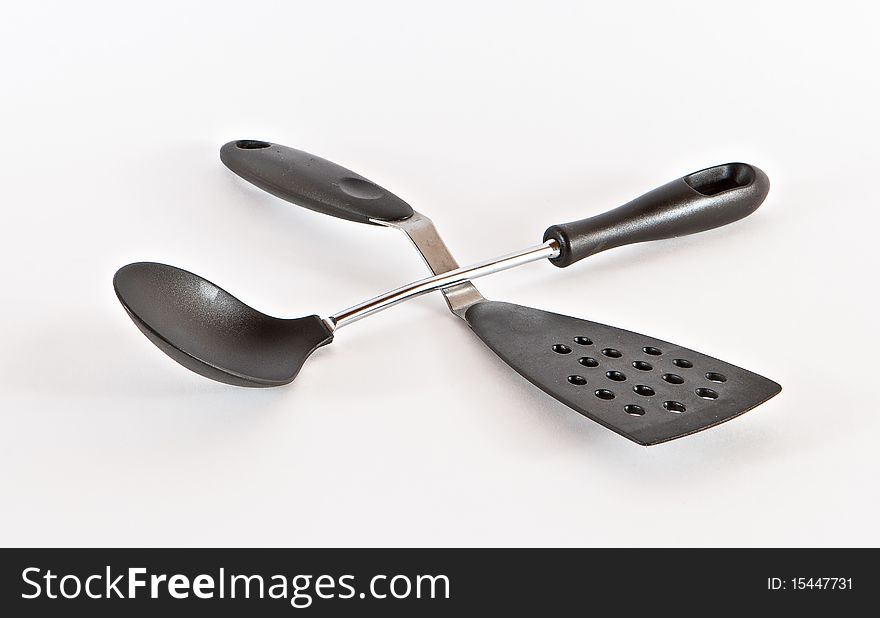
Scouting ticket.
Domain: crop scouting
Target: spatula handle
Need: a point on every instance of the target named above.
(697, 202)
(312, 182)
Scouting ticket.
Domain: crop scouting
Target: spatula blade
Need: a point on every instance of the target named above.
(645, 389)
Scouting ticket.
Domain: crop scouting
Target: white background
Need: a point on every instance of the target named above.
(496, 120)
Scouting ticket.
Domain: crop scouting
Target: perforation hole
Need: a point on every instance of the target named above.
(643, 365)
(577, 380)
(714, 376)
(706, 393)
(652, 350)
(634, 410)
(583, 341)
(616, 376)
(642, 389)
(673, 378)
(604, 393)
(674, 406)
(612, 353)
(683, 363)
(588, 361)
(560, 348)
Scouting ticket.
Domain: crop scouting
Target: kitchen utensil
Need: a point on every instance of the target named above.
(646, 389)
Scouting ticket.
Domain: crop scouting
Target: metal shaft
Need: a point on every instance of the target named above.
(549, 249)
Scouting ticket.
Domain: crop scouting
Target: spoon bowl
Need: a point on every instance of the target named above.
(209, 331)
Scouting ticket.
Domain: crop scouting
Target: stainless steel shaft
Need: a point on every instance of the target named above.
(444, 281)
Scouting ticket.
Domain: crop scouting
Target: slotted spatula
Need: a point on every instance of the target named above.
(646, 389)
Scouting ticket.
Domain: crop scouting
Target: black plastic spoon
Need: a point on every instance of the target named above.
(208, 330)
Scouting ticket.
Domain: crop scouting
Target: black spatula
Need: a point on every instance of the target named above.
(645, 389)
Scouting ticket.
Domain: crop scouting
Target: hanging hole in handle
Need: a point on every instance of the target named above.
(721, 178)
(251, 144)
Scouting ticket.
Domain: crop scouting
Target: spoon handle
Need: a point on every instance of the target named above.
(312, 182)
(695, 203)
